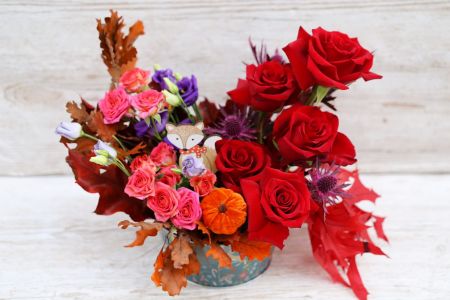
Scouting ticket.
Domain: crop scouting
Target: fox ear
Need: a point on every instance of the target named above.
(199, 125)
(170, 127)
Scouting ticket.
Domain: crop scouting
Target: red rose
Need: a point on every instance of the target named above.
(306, 132)
(267, 87)
(328, 58)
(276, 202)
(239, 159)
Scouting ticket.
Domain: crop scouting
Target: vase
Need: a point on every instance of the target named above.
(211, 274)
(242, 271)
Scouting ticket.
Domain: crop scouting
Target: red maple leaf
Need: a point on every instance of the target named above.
(340, 234)
(109, 183)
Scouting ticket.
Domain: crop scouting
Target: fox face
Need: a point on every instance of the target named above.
(185, 136)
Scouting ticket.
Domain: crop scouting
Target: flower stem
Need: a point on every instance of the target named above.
(198, 115)
(84, 134)
(261, 117)
(121, 166)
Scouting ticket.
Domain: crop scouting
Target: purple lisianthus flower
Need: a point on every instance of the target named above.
(69, 130)
(192, 166)
(142, 129)
(188, 89)
(159, 76)
(102, 148)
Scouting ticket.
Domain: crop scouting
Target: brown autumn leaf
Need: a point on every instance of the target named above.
(158, 266)
(180, 251)
(220, 255)
(251, 249)
(147, 229)
(118, 52)
(104, 131)
(136, 150)
(202, 227)
(77, 113)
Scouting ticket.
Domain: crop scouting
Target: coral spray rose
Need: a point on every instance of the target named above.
(141, 184)
(142, 161)
(164, 203)
(148, 103)
(114, 105)
(134, 80)
(168, 176)
(189, 210)
(163, 155)
(203, 184)
(328, 58)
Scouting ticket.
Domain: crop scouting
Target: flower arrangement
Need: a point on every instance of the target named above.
(240, 175)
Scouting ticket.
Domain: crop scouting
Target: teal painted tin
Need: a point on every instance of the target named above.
(213, 275)
(243, 270)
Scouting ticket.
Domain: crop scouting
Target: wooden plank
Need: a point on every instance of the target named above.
(50, 55)
(53, 247)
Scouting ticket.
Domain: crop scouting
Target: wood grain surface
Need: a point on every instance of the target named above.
(50, 54)
(53, 247)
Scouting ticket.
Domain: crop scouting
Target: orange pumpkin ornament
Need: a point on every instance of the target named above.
(224, 211)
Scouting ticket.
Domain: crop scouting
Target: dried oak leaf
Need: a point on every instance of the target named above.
(251, 249)
(118, 52)
(171, 279)
(220, 255)
(83, 145)
(77, 113)
(147, 229)
(202, 227)
(109, 183)
(180, 251)
(96, 124)
(136, 150)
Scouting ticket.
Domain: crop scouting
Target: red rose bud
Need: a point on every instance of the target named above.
(276, 202)
(328, 58)
(305, 132)
(267, 86)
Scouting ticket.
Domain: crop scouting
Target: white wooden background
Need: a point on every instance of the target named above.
(53, 247)
(49, 54)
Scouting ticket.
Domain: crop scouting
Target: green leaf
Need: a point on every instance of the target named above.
(157, 118)
(147, 121)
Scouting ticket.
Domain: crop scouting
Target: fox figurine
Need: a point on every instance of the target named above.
(187, 138)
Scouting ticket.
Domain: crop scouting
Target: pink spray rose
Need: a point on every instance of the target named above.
(134, 80)
(163, 155)
(114, 105)
(164, 203)
(189, 210)
(141, 184)
(167, 176)
(142, 161)
(148, 103)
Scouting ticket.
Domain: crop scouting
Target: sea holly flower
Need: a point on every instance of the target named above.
(69, 130)
(114, 105)
(188, 89)
(192, 166)
(325, 185)
(236, 124)
(135, 80)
